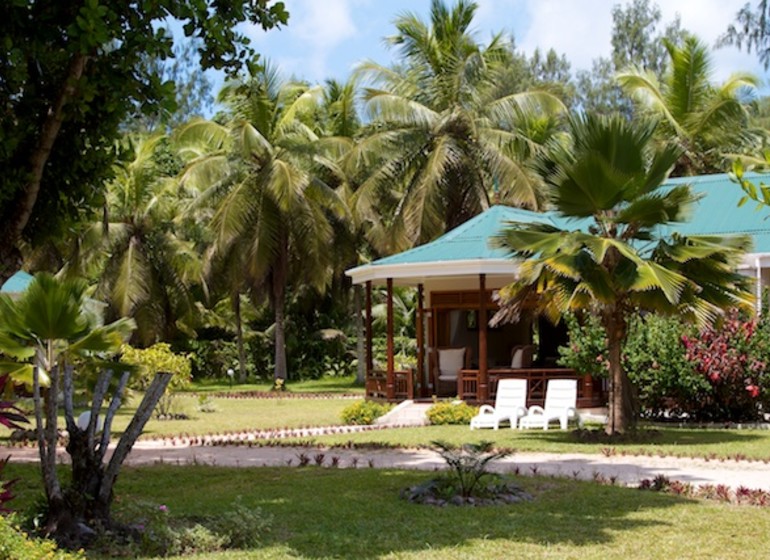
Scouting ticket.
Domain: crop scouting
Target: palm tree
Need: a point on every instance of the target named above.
(621, 258)
(145, 268)
(269, 208)
(49, 331)
(440, 142)
(706, 121)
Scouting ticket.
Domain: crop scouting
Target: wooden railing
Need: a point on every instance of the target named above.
(403, 385)
(537, 378)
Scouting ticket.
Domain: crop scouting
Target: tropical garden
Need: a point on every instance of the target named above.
(185, 247)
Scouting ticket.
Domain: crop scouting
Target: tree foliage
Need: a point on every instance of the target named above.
(610, 177)
(71, 73)
(443, 142)
(705, 120)
(752, 29)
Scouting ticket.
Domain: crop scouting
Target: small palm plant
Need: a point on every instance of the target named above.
(468, 464)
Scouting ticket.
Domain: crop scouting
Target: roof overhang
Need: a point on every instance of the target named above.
(755, 261)
(412, 274)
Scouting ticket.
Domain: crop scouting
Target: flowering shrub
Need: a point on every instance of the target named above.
(732, 357)
(363, 413)
(158, 358)
(587, 349)
(655, 360)
(16, 544)
(443, 413)
(716, 374)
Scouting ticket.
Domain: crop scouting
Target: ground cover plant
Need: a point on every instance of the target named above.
(566, 519)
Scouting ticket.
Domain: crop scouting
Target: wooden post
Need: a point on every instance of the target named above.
(420, 340)
(483, 387)
(368, 327)
(390, 380)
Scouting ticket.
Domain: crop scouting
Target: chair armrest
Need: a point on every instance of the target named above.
(535, 409)
(571, 411)
(521, 411)
(486, 409)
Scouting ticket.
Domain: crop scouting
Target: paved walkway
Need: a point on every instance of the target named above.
(628, 470)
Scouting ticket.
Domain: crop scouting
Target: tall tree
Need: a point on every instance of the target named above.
(147, 269)
(440, 143)
(706, 120)
(752, 29)
(270, 209)
(636, 41)
(70, 75)
(620, 261)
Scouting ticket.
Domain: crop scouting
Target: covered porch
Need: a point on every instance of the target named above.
(455, 278)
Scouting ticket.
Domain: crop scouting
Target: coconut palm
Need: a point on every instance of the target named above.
(144, 268)
(706, 120)
(440, 142)
(620, 258)
(255, 171)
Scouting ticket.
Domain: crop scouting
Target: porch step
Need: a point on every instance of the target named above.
(406, 413)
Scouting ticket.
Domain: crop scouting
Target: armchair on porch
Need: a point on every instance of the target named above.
(447, 363)
(521, 356)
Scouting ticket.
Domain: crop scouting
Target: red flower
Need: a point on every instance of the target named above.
(753, 391)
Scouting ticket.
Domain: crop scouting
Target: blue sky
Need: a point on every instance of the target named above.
(326, 38)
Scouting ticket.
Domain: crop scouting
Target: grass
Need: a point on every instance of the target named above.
(708, 443)
(330, 385)
(240, 415)
(321, 513)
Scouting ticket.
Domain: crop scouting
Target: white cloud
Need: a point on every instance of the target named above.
(304, 47)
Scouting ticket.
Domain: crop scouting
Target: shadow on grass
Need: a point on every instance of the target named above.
(362, 517)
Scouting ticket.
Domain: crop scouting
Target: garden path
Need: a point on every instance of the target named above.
(627, 470)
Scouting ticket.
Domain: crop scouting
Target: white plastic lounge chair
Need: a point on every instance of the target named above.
(510, 404)
(560, 404)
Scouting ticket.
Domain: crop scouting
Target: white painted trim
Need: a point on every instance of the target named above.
(418, 272)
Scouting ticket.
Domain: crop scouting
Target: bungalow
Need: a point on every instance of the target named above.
(457, 274)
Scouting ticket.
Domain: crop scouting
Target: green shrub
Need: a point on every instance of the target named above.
(655, 360)
(196, 540)
(456, 412)
(157, 533)
(363, 413)
(16, 545)
(158, 358)
(242, 527)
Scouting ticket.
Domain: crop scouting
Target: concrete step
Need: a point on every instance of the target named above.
(406, 413)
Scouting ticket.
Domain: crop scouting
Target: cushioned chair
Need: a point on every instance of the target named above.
(560, 404)
(510, 405)
(521, 356)
(448, 363)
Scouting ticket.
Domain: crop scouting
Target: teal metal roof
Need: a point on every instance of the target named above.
(17, 283)
(717, 213)
(468, 241)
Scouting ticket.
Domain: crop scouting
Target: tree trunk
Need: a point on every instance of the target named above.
(621, 415)
(103, 500)
(360, 337)
(25, 203)
(278, 290)
(236, 301)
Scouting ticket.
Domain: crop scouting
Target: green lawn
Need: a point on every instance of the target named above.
(334, 385)
(709, 443)
(323, 513)
(234, 415)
